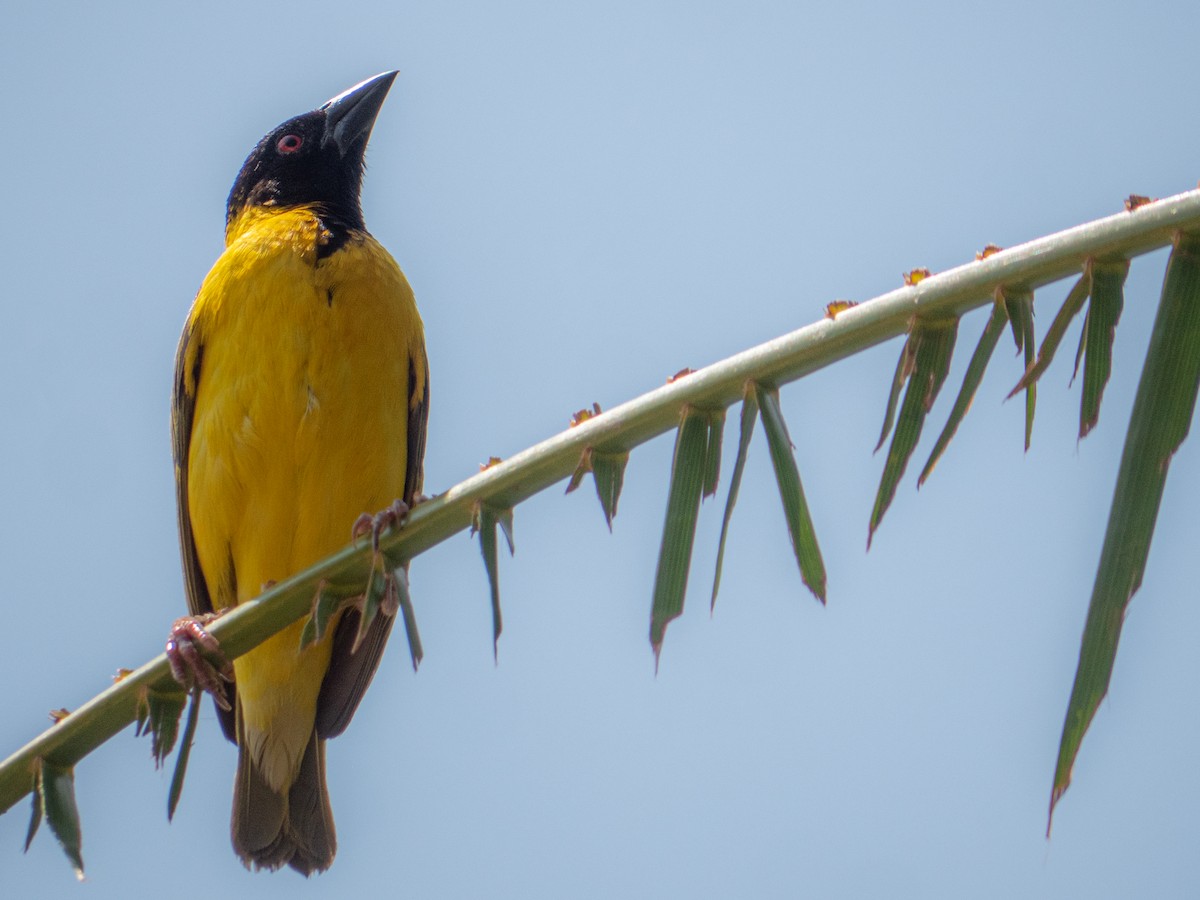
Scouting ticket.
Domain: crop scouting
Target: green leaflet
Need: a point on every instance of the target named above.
(35, 814)
(325, 604)
(56, 786)
(584, 466)
(972, 378)
(185, 751)
(1103, 282)
(404, 599)
(608, 473)
(1019, 305)
(749, 417)
(904, 367)
(1104, 311)
(712, 455)
(373, 599)
(1058, 328)
(1161, 417)
(689, 469)
(485, 521)
(930, 346)
(159, 714)
(791, 492)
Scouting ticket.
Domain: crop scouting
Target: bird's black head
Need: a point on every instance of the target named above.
(316, 158)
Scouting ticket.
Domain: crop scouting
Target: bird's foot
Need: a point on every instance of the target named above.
(375, 525)
(196, 658)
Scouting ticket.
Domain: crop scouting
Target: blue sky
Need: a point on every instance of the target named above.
(586, 199)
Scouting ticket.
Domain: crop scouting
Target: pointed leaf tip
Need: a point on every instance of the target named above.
(903, 369)
(688, 467)
(932, 342)
(185, 751)
(608, 473)
(1054, 334)
(1018, 303)
(35, 814)
(57, 787)
(1104, 312)
(1055, 795)
(581, 469)
(971, 380)
(504, 518)
(164, 709)
(791, 492)
(748, 419)
(404, 599)
(487, 519)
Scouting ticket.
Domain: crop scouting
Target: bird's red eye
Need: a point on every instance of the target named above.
(289, 143)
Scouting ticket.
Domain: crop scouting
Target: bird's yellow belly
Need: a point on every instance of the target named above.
(300, 427)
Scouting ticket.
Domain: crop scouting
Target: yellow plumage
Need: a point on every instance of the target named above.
(299, 426)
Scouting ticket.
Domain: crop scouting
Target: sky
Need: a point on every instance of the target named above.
(586, 199)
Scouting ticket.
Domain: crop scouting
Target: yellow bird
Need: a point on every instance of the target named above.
(301, 398)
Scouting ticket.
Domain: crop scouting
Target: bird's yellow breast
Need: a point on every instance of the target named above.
(300, 422)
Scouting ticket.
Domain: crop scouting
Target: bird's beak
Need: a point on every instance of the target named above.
(350, 115)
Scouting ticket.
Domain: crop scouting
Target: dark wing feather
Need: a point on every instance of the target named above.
(418, 422)
(350, 673)
(188, 360)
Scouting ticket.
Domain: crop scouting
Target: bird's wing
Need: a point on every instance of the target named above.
(351, 672)
(418, 421)
(188, 360)
(183, 406)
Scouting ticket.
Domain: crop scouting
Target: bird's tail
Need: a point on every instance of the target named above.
(271, 829)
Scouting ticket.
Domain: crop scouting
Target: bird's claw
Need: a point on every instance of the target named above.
(375, 525)
(196, 658)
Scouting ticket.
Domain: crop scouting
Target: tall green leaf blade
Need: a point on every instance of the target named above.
(404, 599)
(373, 599)
(972, 378)
(165, 708)
(486, 526)
(1162, 414)
(1054, 334)
(1020, 316)
(791, 492)
(1019, 304)
(35, 816)
(679, 529)
(1082, 347)
(1104, 312)
(57, 787)
(749, 418)
(933, 340)
(608, 471)
(185, 752)
(903, 369)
